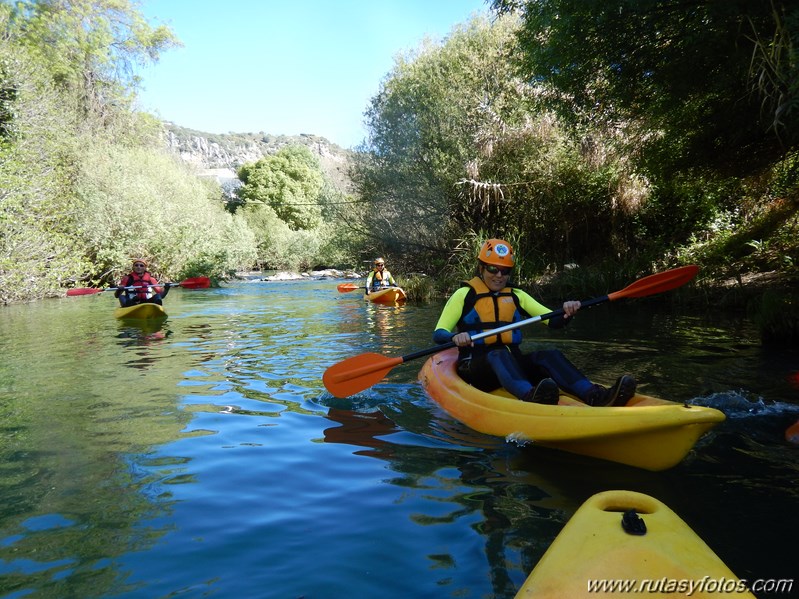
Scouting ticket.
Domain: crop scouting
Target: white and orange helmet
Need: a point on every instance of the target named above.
(497, 252)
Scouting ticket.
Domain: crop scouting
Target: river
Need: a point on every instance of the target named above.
(203, 457)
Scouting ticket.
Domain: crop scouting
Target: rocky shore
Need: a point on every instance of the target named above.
(330, 273)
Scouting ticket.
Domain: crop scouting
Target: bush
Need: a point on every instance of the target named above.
(776, 314)
(142, 202)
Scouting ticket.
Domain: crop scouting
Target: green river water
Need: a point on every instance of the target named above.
(202, 456)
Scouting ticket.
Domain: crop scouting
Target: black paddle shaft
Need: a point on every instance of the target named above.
(514, 325)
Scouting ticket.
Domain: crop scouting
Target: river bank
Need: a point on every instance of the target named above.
(287, 275)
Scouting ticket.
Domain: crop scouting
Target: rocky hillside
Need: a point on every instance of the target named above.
(219, 155)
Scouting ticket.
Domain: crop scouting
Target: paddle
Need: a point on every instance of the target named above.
(362, 371)
(347, 287)
(191, 283)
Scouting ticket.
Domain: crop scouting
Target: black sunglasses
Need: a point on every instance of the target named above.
(496, 269)
(139, 264)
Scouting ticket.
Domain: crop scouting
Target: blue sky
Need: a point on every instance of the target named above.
(285, 67)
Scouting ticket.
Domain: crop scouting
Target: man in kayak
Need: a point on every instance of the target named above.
(487, 302)
(379, 277)
(147, 288)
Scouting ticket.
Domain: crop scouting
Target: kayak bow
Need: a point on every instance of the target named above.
(626, 538)
(144, 310)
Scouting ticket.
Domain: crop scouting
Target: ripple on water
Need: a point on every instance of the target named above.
(209, 459)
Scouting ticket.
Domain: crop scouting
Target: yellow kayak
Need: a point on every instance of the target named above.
(141, 311)
(389, 295)
(605, 551)
(649, 433)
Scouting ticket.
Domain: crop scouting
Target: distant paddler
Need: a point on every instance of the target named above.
(139, 286)
(380, 277)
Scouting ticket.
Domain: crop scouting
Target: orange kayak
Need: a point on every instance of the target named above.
(389, 295)
(649, 433)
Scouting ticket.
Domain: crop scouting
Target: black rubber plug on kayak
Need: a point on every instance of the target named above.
(632, 523)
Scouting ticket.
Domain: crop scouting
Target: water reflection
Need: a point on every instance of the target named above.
(348, 314)
(387, 322)
(514, 511)
(518, 498)
(362, 430)
(142, 332)
(139, 336)
(365, 326)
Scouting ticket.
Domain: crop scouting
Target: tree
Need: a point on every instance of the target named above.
(689, 83)
(91, 47)
(290, 182)
(434, 121)
(461, 149)
(35, 245)
(78, 165)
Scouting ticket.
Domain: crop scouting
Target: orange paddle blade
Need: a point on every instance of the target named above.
(347, 287)
(355, 374)
(657, 283)
(792, 433)
(84, 291)
(196, 283)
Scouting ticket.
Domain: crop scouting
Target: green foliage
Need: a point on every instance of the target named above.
(344, 244)
(142, 202)
(747, 225)
(563, 205)
(291, 207)
(785, 176)
(773, 69)
(289, 183)
(418, 289)
(436, 114)
(688, 83)
(90, 47)
(761, 238)
(776, 314)
(455, 146)
(36, 249)
(82, 185)
(281, 248)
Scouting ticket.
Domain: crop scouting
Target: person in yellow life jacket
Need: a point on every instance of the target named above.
(146, 286)
(487, 302)
(379, 277)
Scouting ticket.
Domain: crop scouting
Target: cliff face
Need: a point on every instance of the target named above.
(220, 155)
